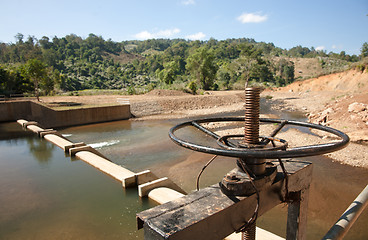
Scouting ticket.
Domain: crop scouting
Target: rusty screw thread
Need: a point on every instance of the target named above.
(250, 232)
(251, 130)
(251, 136)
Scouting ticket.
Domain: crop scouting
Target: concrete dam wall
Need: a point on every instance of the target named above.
(47, 117)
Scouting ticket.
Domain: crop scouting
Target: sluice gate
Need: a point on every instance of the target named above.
(145, 180)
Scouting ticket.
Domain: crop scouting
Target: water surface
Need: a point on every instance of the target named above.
(45, 195)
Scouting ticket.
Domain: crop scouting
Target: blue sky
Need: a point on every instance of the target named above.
(324, 24)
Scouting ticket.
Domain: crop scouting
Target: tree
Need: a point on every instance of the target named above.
(4, 80)
(11, 81)
(35, 70)
(224, 77)
(242, 68)
(364, 50)
(168, 74)
(298, 51)
(285, 70)
(261, 71)
(201, 64)
(19, 37)
(45, 42)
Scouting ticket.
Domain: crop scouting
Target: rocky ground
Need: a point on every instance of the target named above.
(321, 108)
(338, 101)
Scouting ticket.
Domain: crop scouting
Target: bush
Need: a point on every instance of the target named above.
(360, 67)
(193, 87)
(131, 90)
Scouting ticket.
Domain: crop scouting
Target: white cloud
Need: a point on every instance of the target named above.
(252, 18)
(320, 48)
(144, 35)
(188, 2)
(167, 33)
(196, 36)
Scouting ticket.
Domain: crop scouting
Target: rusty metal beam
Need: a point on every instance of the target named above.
(210, 214)
(296, 227)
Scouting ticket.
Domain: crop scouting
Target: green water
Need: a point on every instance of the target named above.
(45, 195)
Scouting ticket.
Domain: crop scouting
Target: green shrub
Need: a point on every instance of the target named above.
(268, 97)
(131, 90)
(193, 87)
(360, 67)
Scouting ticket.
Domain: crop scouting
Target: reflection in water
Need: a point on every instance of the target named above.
(41, 150)
(12, 132)
(14, 135)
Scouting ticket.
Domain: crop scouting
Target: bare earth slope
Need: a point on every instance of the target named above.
(327, 100)
(338, 100)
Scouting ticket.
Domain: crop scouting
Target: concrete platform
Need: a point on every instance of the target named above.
(110, 168)
(35, 129)
(58, 141)
(163, 195)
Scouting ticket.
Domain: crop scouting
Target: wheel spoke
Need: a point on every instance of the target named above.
(205, 130)
(210, 133)
(275, 132)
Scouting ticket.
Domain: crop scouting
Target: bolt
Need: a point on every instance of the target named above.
(232, 177)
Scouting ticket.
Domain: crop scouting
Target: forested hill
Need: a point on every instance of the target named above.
(72, 63)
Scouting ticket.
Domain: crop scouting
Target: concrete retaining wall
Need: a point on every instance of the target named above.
(47, 117)
(12, 111)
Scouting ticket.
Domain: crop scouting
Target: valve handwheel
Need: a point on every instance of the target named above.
(253, 172)
(228, 148)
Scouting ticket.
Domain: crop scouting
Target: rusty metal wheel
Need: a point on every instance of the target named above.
(230, 149)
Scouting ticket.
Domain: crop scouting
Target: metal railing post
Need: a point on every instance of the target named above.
(347, 219)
